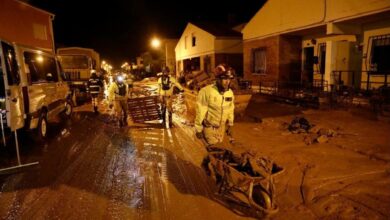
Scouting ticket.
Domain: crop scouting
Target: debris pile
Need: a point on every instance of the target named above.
(299, 125)
(198, 79)
(312, 134)
(321, 135)
(247, 162)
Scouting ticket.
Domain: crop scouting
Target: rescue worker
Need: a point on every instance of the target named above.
(166, 83)
(215, 108)
(117, 96)
(94, 86)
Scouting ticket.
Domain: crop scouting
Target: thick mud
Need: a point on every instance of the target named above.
(92, 169)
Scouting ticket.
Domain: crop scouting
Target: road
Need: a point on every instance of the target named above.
(91, 169)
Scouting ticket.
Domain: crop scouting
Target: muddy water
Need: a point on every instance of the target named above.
(91, 169)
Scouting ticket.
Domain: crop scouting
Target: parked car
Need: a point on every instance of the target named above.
(32, 91)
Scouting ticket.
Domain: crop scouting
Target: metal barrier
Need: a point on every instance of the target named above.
(20, 165)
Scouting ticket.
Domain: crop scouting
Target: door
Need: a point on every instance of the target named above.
(42, 78)
(13, 92)
(308, 63)
(62, 89)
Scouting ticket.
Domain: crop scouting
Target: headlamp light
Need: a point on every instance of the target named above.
(119, 78)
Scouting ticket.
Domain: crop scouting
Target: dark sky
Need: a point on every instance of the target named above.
(121, 29)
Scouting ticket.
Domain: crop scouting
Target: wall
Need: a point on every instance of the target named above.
(272, 72)
(25, 25)
(280, 16)
(226, 45)
(290, 58)
(232, 60)
(204, 43)
(169, 54)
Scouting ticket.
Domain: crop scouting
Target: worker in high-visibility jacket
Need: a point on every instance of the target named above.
(94, 87)
(166, 83)
(117, 97)
(215, 108)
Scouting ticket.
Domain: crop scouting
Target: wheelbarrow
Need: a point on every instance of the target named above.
(243, 176)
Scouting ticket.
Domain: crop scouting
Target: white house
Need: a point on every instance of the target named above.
(343, 42)
(202, 46)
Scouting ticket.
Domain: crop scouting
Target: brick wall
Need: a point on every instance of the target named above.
(232, 60)
(283, 59)
(272, 71)
(290, 58)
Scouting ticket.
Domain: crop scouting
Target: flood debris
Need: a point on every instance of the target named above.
(244, 173)
(299, 125)
(321, 135)
(313, 134)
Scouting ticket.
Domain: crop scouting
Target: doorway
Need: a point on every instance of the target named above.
(308, 62)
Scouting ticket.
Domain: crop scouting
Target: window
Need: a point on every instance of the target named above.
(11, 65)
(74, 61)
(193, 40)
(380, 53)
(41, 68)
(259, 60)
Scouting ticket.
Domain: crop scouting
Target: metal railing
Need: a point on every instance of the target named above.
(346, 88)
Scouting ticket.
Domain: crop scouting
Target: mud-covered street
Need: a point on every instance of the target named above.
(92, 169)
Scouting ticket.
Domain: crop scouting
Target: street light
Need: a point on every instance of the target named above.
(156, 43)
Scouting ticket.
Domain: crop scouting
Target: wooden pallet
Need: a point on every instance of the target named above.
(144, 109)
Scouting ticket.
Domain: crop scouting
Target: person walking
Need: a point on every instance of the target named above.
(117, 96)
(215, 108)
(166, 83)
(94, 86)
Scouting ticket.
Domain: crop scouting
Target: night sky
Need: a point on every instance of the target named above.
(121, 29)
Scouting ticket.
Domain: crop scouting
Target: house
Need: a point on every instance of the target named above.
(319, 42)
(202, 46)
(26, 25)
(170, 57)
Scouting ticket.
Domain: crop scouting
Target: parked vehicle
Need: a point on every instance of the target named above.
(78, 63)
(32, 91)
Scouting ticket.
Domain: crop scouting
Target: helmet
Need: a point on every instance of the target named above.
(165, 69)
(222, 71)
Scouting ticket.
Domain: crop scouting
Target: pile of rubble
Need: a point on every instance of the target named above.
(196, 80)
(313, 134)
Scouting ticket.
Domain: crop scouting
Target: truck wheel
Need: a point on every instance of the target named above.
(68, 108)
(42, 127)
(74, 97)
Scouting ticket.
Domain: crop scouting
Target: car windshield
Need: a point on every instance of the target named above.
(74, 62)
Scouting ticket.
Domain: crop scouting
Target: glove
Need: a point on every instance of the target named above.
(229, 131)
(199, 135)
